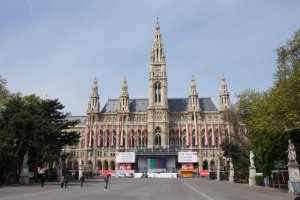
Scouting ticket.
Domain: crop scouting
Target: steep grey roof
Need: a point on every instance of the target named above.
(141, 105)
(181, 105)
(135, 105)
(206, 104)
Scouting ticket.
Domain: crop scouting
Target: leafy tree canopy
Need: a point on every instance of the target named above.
(35, 125)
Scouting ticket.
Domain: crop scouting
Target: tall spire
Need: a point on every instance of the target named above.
(193, 96)
(224, 95)
(157, 51)
(158, 92)
(94, 104)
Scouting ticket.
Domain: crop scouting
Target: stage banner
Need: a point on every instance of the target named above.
(125, 157)
(187, 157)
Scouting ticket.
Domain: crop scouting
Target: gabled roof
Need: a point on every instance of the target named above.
(141, 105)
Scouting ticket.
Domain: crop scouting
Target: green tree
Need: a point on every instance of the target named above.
(273, 116)
(3, 90)
(34, 125)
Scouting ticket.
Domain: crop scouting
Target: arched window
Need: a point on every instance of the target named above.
(112, 165)
(82, 144)
(205, 165)
(217, 138)
(172, 138)
(210, 141)
(101, 141)
(194, 138)
(92, 139)
(185, 137)
(178, 140)
(158, 140)
(212, 165)
(107, 138)
(203, 138)
(132, 140)
(157, 93)
(123, 145)
(226, 133)
(139, 138)
(145, 138)
(113, 139)
(157, 136)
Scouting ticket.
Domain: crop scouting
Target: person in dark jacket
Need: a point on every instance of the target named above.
(62, 179)
(43, 180)
(81, 180)
(106, 179)
(66, 181)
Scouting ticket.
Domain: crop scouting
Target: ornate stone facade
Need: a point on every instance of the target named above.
(157, 123)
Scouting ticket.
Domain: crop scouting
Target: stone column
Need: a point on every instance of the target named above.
(231, 172)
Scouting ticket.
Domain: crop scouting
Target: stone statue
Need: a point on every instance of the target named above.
(25, 158)
(291, 152)
(251, 159)
(230, 163)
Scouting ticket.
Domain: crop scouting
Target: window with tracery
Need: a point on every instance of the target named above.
(157, 89)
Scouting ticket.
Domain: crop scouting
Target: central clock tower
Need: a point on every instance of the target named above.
(158, 109)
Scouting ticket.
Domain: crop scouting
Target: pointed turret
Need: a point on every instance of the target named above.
(94, 104)
(224, 95)
(193, 96)
(124, 97)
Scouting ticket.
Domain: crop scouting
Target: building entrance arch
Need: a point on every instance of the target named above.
(205, 165)
(105, 165)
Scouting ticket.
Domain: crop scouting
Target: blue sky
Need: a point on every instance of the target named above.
(55, 48)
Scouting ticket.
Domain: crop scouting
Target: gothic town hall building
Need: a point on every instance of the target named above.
(155, 129)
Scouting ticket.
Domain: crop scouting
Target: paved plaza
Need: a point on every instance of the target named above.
(144, 189)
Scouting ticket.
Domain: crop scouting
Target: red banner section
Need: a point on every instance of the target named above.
(187, 166)
(125, 166)
(111, 172)
(204, 172)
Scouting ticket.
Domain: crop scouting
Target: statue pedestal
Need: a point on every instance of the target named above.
(231, 175)
(294, 175)
(252, 174)
(80, 171)
(218, 173)
(24, 178)
(59, 172)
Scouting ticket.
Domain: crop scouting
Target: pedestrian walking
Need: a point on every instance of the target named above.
(66, 181)
(43, 180)
(106, 179)
(62, 180)
(81, 180)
